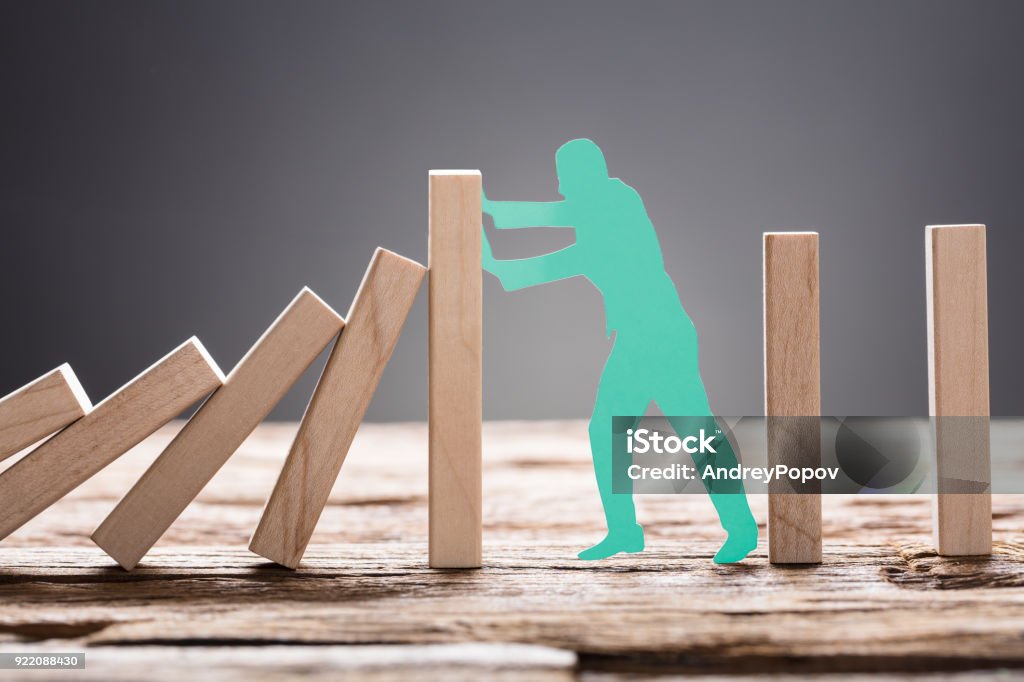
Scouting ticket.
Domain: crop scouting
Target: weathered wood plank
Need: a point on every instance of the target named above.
(879, 602)
(468, 662)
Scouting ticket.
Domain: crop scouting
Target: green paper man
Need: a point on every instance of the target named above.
(654, 356)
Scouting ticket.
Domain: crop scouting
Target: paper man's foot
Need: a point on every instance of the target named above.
(738, 545)
(631, 541)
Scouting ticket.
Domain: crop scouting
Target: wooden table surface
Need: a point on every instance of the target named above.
(365, 602)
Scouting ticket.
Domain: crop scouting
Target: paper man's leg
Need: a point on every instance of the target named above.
(728, 496)
(616, 396)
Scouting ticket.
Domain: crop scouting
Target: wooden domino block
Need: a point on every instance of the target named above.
(337, 407)
(958, 385)
(40, 408)
(455, 400)
(792, 389)
(113, 427)
(259, 381)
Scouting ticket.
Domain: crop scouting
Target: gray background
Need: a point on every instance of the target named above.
(184, 168)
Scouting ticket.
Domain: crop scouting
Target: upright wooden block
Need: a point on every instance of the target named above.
(40, 408)
(208, 440)
(455, 400)
(792, 390)
(113, 427)
(958, 386)
(337, 407)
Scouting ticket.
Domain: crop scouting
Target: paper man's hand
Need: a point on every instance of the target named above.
(488, 261)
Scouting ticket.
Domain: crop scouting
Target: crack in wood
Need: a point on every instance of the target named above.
(658, 664)
(922, 568)
(41, 631)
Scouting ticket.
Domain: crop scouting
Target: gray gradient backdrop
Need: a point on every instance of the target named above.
(179, 168)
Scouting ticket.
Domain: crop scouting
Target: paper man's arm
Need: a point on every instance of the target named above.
(515, 214)
(528, 272)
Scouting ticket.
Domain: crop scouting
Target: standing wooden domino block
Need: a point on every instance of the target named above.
(792, 389)
(337, 407)
(40, 408)
(113, 427)
(455, 400)
(212, 435)
(958, 387)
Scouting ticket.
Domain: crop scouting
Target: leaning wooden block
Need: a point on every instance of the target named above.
(455, 403)
(113, 427)
(958, 387)
(337, 407)
(40, 408)
(792, 391)
(211, 436)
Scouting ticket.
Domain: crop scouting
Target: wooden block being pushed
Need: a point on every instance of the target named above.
(211, 436)
(113, 427)
(334, 412)
(958, 387)
(455, 412)
(792, 393)
(40, 408)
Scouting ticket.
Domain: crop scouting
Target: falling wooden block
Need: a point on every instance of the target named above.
(40, 408)
(113, 427)
(215, 431)
(455, 399)
(792, 390)
(958, 387)
(337, 407)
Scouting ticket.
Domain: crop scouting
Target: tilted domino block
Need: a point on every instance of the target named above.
(113, 427)
(208, 440)
(40, 408)
(337, 407)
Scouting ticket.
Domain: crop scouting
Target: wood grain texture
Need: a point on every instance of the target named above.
(259, 381)
(882, 602)
(337, 407)
(121, 421)
(792, 388)
(958, 384)
(465, 662)
(455, 394)
(40, 408)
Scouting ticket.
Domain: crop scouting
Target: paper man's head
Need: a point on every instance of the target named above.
(581, 167)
